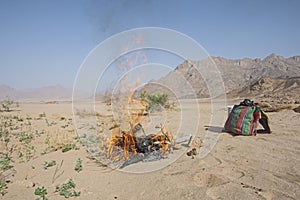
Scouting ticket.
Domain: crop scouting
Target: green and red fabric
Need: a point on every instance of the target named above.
(243, 120)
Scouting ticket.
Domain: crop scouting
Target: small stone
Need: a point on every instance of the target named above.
(194, 151)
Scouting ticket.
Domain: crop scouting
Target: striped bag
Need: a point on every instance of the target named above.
(243, 120)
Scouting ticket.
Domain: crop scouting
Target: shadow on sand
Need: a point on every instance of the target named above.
(218, 129)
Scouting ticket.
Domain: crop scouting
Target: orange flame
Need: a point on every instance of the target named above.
(125, 141)
(128, 142)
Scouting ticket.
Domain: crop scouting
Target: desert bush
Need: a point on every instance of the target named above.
(78, 166)
(156, 101)
(49, 164)
(25, 137)
(41, 192)
(3, 188)
(7, 105)
(67, 189)
(68, 147)
(5, 162)
(41, 115)
(3, 132)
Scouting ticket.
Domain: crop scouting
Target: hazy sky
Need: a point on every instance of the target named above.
(44, 42)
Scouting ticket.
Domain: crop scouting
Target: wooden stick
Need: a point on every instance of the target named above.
(58, 167)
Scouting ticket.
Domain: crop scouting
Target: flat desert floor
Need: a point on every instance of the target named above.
(265, 166)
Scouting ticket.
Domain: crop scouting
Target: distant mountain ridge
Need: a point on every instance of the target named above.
(236, 73)
(48, 93)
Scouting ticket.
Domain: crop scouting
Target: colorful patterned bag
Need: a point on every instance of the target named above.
(243, 120)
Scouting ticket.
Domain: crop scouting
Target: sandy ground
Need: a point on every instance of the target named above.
(266, 166)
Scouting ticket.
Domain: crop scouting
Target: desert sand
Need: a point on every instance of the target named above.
(265, 166)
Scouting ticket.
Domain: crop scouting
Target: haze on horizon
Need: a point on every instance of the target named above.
(45, 42)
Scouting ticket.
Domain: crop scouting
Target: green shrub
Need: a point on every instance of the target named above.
(49, 164)
(67, 189)
(5, 162)
(6, 105)
(3, 188)
(25, 137)
(78, 166)
(67, 147)
(41, 192)
(155, 101)
(42, 115)
(3, 133)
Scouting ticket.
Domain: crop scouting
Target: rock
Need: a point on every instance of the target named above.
(297, 110)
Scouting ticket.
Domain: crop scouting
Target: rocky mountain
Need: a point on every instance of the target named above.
(240, 77)
(273, 94)
(236, 74)
(7, 92)
(49, 93)
(284, 90)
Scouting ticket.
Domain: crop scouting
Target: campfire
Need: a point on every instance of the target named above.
(129, 140)
(130, 144)
(126, 144)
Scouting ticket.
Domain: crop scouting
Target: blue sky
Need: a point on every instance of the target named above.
(44, 42)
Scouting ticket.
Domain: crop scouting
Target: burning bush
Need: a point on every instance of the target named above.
(133, 140)
(125, 144)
